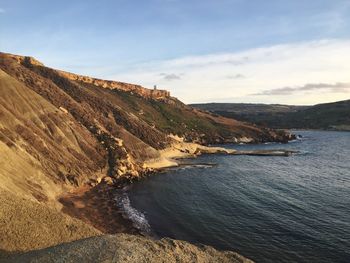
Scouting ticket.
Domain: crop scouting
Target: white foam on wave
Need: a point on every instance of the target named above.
(138, 219)
(192, 166)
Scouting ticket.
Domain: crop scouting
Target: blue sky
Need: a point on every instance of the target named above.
(139, 41)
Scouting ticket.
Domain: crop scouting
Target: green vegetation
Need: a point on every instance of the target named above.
(170, 116)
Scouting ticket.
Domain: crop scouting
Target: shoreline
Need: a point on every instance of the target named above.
(170, 156)
(97, 207)
(102, 207)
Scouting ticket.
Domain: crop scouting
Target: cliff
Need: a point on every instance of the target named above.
(108, 84)
(61, 131)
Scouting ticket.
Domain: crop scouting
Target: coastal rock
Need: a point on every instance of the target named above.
(245, 140)
(108, 180)
(277, 152)
(129, 249)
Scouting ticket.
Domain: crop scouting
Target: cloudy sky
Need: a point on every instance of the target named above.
(274, 51)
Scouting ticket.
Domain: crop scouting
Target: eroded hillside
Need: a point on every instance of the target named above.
(126, 122)
(59, 130)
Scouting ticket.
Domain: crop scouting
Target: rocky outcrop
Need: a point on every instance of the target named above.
(109, 84)
(130, 249)
(26, 60)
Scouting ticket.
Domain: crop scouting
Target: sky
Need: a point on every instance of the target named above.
(273, 51)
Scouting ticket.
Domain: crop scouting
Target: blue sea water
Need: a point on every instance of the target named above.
(269, 209)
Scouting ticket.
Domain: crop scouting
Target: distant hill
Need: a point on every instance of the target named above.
(330, 116)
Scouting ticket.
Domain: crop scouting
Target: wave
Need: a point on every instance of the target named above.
(302, 153)
(138, 218)
(298, 138)
(190, 166)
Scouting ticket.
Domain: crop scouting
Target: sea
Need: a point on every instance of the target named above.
(267, 208)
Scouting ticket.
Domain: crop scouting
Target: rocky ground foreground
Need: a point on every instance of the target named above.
(128, 248)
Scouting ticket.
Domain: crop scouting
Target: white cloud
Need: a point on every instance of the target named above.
(235, 76)
(310, 87)
(2, 10)
(207, 77)
(170, 77)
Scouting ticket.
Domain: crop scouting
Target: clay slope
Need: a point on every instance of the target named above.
(43, 152)
(43, 149)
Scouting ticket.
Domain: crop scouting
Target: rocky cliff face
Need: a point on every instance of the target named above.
(124, 124)
(71, 130)
(108, 84)
(60, 130)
